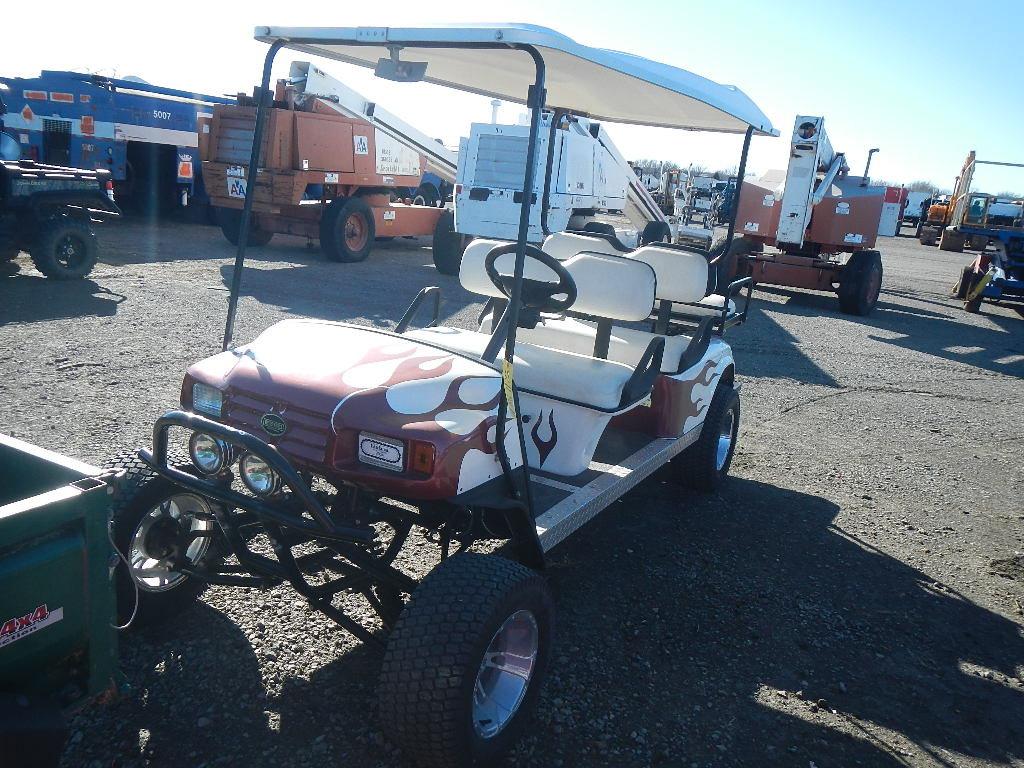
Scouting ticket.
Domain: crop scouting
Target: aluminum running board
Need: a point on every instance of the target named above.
(613, 480)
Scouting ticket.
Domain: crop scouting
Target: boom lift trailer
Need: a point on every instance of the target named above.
(334, 167)
(821, 213)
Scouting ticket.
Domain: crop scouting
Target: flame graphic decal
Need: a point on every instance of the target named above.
(544, 447)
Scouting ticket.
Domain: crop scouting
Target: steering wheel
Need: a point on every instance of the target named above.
(538, 295)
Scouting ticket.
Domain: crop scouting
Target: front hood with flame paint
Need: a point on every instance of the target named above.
(336, 379)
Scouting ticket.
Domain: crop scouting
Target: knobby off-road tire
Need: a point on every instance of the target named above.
(449, 245)
(65, 249)
(860, 282)
(705, 464)
(433, 678)
(230, 221)
(140, 492)
(347, 230)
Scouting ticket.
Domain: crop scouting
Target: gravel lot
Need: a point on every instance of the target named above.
(852, 597)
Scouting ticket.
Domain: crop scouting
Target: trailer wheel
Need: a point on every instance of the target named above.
(65, 248)
(705, 464)
(860, 282)
(230, 221)
(347, 230)
(149, 517)
(449, 245)
(655, 232)
(465, 661)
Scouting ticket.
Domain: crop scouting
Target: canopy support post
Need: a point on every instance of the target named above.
(250, 186)
(740, 173)
(535, 101)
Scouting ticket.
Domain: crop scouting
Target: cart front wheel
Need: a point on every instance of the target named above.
(465, 661)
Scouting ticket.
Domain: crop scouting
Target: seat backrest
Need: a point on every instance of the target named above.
(565, 245)
(607, 286)
(682, 274)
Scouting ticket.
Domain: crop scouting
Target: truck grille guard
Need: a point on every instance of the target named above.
(360, 573)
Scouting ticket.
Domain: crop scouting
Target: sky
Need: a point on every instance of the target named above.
(925, 82)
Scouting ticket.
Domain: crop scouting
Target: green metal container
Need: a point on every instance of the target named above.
(57, 642)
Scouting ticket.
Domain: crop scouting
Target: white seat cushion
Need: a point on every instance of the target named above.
(593, 382)
(709, 305)
(626, 345)
(682, 275)
(606, 286)
(565, 245)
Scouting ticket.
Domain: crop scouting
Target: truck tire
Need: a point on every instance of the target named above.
(143, 526)
(655, 232)
(449, 245)
(705, 464)
(860, 282)
(347, 230)
(477, 631)
(230, 221)
(65, 248)
(949, 241)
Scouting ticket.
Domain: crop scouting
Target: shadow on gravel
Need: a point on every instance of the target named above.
(769, 350)
(30, 298)
(747, 619)
(949, 336)
(342, 292)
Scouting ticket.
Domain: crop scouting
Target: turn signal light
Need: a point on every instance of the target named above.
(422, 458)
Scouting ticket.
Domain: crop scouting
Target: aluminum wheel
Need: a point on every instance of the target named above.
(725, 439)
(153, 539)
(505, 673)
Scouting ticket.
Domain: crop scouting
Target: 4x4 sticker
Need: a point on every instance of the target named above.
(15, 629)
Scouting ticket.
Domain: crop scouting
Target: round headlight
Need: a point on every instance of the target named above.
(258, 476)
(209, 454)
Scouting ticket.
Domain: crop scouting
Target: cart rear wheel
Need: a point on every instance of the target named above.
(466, 660)
(230, 221)
(155, 521)
(347, 230)
(705, 464)
(449, 245)
(860, 282)
(65, 249)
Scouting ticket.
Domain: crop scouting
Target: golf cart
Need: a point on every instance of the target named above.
(315, 450)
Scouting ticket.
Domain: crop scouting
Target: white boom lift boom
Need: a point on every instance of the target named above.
(810, 153)
(311, 81)
(580, 173)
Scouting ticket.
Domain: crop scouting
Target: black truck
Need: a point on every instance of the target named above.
(48, 211)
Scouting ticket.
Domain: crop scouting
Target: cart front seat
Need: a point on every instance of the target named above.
(608, 287)
(682, 276)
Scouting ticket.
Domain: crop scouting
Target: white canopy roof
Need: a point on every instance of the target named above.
(606, 85)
